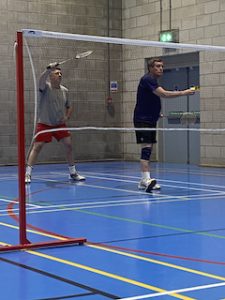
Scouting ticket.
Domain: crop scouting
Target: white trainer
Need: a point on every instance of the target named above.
(76, 177)
(147, 184)
(27, 178)
(156, 187)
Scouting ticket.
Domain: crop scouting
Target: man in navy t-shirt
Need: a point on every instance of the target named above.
(146, 115)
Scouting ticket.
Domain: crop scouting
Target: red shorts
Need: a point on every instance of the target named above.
(47, 136)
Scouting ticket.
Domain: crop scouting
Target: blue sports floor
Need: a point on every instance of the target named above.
(169, 244)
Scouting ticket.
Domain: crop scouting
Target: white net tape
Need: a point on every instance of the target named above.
(131, 129)
(120, 41)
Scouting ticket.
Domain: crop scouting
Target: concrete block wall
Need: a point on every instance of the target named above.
(88, 80)
(199, 21)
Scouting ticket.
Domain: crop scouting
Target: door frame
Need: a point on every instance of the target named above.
(176, 61)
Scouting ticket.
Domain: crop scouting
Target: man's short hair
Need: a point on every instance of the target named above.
(152, 61)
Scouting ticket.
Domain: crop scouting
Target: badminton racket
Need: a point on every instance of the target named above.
(78, 56)
(188, 118)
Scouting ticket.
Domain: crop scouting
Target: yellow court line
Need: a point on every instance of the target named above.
(103, 273)
(120, 253)
(54, 236)
(159, 262)
(107, 274)
(126, 254)
(94, 270)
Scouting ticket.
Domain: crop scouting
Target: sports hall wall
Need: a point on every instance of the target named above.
(199, 21)
(89, 86)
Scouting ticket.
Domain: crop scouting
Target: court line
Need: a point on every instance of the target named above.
(131, 181)
(124, 279)
(158, 254)
(171, 186)
(191, 289)
(98, 204)
(68, 207)
(106, 274)
(160, 180)
(135, 221)
(158, 262)
(160, 199)
(153, 224)
(92, 291)
(153, 194)
(38, 231)
(103, 273)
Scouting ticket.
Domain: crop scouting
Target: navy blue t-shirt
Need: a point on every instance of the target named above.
(148, 105)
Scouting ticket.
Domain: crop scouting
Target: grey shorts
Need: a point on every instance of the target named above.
(145, 136)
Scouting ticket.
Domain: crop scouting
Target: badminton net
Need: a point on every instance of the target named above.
(102, 75)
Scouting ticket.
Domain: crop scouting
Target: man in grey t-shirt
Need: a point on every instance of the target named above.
(53, 111)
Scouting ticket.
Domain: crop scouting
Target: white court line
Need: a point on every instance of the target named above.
(61, 207)
(161, 180)
(173, 186)
(10, 201)
(68, 207)
(152, 195)
(84, 184)
(161, 198)
(196, 288)
(11, 178)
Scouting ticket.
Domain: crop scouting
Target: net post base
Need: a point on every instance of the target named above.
(68, 242)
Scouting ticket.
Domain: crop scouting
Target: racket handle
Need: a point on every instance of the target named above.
(195, 88)
(52, 66)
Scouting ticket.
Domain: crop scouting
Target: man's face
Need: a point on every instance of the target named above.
(56, 76)
(157, 69)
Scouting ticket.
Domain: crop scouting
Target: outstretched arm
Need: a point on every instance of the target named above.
(171, 94)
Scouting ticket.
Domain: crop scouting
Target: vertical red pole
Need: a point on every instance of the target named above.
(21, 138)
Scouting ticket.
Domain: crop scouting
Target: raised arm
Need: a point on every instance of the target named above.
(45, 74)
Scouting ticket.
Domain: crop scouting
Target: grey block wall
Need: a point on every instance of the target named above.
(88, 81)
(199, 21)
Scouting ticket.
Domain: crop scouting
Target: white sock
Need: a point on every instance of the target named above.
(145, 175)
(72, 169)
(29, 170)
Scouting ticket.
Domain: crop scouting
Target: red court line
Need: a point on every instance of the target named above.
(10, 211)
(16, 218)
(158, 254)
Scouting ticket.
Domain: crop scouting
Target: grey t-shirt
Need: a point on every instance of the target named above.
(52, 105)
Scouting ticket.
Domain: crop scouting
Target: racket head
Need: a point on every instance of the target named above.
(83, 54)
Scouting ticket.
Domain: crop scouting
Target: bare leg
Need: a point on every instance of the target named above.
(74, 176)
(145, 164)
(36, 149)
(146, 182)
(67, 142)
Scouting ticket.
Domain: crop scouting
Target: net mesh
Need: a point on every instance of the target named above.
(103, 91)
(88, 80)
